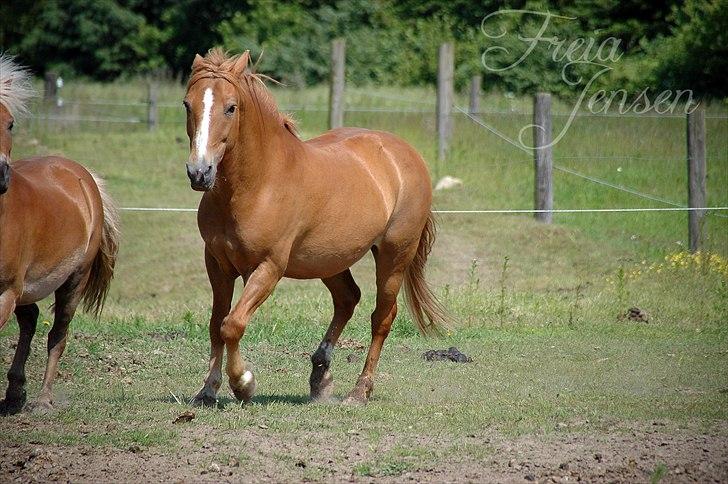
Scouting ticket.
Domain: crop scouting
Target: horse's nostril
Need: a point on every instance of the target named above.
(209, 169)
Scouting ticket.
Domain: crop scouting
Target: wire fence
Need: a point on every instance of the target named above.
(496, 211)
(350, 108)
(476, 118)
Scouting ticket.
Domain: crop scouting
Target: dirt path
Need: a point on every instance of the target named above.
(561, 457)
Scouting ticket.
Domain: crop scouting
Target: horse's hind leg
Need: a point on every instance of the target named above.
(345, 294)
(391, 263)
(67, 298)
(15, 395)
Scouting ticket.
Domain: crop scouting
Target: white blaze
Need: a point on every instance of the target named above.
(203, 133)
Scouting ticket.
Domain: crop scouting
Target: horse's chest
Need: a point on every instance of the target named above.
(235, 250)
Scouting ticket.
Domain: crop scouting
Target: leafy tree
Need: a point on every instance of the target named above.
(695, 54)
(667, 44)
(97, 38)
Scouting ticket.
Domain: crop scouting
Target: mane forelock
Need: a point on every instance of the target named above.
(15, 86)
(217, 63)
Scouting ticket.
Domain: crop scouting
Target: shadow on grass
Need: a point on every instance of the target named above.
(225, 401)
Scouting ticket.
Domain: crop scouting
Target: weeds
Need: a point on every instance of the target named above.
(621, 289)
(473, 278)
(658, 474)
(574, 308)
(502, 299)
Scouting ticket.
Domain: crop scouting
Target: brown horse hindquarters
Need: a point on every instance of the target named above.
(54, 216)
(362, 187)
(58, 236)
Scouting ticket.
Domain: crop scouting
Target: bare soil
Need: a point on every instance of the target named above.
(563, 456)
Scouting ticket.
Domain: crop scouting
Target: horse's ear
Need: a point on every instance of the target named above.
(197, 62)
(241, 64)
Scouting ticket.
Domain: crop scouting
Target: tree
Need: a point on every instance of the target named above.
(97, 38)
(695, 55)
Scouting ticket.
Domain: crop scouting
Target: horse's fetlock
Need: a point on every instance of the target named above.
(323, 355)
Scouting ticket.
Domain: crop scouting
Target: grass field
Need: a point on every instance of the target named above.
(562, 384)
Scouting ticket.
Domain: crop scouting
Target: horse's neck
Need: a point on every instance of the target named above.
(257, 159)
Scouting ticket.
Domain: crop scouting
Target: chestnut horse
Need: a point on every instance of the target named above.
(275, 206)
(58, 234)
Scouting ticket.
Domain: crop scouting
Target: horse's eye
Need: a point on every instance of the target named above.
(186, 105)
(230, 110)
(10, 126)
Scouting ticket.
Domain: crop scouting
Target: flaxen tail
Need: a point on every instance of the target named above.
(429, 314)
(102, 270)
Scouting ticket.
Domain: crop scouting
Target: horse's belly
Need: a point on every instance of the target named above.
(321, 267)
(319, 260)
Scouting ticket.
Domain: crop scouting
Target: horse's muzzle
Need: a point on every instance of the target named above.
(4, 176)
(201, 178)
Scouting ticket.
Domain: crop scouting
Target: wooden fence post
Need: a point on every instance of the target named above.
(543, 157)
(445, 97)
(152, 108)
(475, 83)
(50, 87)
(336, 93)
(696, 175)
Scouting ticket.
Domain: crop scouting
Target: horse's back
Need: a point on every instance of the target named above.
(51, 169)
(393, 163)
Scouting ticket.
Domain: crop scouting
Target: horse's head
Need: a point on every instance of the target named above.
(15, 90)
(6, 144)
(214, 108)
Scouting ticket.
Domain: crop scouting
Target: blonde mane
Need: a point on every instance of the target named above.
(15, 86)
(217, 63)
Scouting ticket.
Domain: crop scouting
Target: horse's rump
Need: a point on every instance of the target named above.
(58, 219)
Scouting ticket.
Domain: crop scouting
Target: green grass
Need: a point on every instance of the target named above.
(552, 350)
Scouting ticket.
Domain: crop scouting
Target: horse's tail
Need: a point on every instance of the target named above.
(102, 269)
(429, 314)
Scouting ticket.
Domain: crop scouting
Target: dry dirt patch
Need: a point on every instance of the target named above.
(679, 456)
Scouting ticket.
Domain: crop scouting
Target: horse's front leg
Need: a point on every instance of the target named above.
(223, 285)
(7, 305)
(258, 287)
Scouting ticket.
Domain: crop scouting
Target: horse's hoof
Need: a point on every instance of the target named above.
(355, 399)
(361, 392)
(245, 387)
(322, 387)
(204, 400)
(39, 407)
(11, 407)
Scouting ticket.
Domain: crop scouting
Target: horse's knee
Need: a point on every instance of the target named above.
(231, 330)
